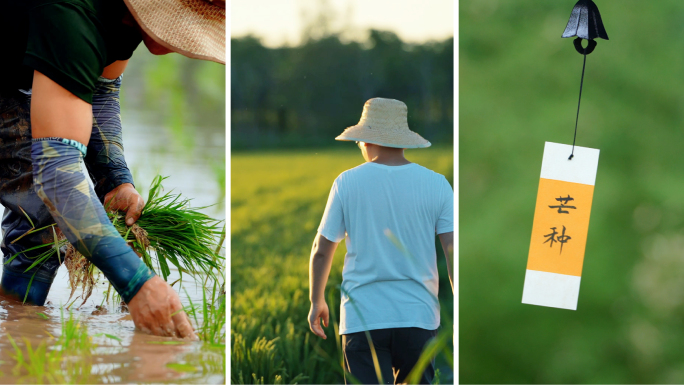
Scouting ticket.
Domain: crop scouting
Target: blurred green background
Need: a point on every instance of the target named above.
(519, 83)
(173, 113)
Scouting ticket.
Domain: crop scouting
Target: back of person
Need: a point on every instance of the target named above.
(391, 215)
(388, 211)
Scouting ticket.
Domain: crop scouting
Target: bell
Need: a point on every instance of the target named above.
(585, 22)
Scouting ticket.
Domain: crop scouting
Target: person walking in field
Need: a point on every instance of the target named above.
(388, 210)
(61, 63)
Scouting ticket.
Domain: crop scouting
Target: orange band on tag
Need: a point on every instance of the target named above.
(559, 231)
(560, 227)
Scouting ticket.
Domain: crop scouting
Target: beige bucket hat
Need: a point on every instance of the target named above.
(193, 28)
(383, 122)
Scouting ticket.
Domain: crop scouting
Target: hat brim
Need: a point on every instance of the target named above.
(192, 28)
(385, 138)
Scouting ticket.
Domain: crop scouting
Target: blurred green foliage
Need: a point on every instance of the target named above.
(189, 93)
(301, 96)
(519, 83)
(277, 201)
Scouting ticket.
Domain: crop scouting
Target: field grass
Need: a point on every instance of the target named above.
(277, 201)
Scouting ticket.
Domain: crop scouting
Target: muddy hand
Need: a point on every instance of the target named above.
(125, 198)
(317, 312)
(156, 309)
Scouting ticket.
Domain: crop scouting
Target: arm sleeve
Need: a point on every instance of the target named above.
(445, 221)
(332, 224)
(63, 187)
(65, 43)
(105, 157)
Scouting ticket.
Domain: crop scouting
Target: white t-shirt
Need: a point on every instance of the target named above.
(382, 209)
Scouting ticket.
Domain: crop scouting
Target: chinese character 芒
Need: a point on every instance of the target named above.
(564, 204)
(561, 239)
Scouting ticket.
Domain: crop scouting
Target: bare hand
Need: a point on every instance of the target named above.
(318, 311)
(125, 198)
(156, 309)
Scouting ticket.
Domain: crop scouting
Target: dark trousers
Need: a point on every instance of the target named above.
(24, 210)
(397, 349)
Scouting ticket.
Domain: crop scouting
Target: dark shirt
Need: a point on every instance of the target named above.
(69, 41)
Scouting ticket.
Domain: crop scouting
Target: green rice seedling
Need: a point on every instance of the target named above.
(74, 334)
(38, 363)
(212, 328)
(434, 347)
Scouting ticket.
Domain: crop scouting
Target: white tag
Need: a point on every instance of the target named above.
(560, 227)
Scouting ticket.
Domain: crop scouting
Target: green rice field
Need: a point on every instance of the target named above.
(277, 201)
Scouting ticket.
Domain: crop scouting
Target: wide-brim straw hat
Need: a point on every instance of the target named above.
(193, 28)
(383, 122)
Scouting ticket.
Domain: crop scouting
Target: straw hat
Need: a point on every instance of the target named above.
(383, 122)
(193, 28)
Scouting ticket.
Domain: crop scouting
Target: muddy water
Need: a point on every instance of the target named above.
(150, 150)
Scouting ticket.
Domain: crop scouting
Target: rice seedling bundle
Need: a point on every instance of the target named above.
(168, 232)
(175, 232)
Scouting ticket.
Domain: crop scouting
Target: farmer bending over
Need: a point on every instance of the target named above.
(60, 72)
(388, 210)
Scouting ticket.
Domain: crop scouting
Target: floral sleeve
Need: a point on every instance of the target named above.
(105, 160)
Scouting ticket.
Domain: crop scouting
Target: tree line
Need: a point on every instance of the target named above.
(306, 95)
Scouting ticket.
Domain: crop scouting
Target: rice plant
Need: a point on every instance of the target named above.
(212, 327)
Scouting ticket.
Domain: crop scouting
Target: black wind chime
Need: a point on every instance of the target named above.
(585, 23)
(553, 276)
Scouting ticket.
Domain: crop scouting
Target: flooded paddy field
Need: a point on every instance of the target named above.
(114, 353)
(100, 344)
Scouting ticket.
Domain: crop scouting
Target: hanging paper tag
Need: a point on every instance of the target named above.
(561, 223)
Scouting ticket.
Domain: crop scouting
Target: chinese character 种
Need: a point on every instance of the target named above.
(561, 239)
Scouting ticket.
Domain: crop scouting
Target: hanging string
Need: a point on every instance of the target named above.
(584, 64)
